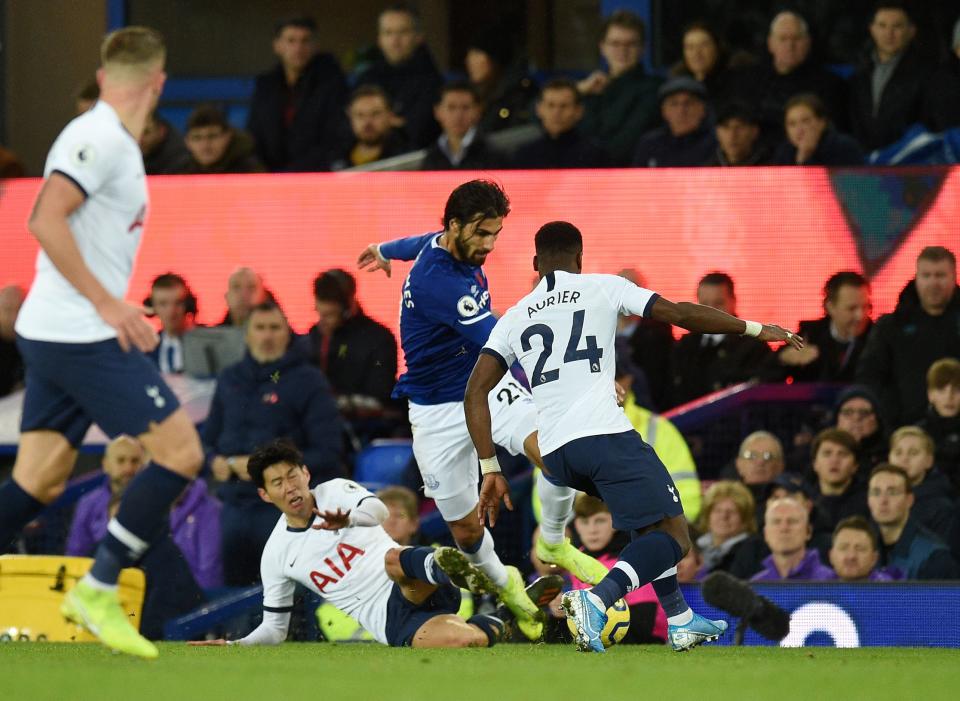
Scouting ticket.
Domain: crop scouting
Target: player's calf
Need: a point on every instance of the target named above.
(451, 631)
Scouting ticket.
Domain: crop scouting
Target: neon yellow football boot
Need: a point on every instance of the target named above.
(514, 596)
(99, 612)
(576, 562)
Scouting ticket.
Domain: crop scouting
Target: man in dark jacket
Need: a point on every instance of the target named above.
(357, 354)
(562, 145)
(271, 393)
(296, 112)
(688, 138)
(832, 345)
(404, 68)
(924, 327)
(215, 147)
(705, 363)
(889, 89)
(374, 136)
(162, 147)
(834, 465)
(461, 146)
(908, 546)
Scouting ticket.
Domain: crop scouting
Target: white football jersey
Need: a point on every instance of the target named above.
(103, 159)
(563, 334)
(345, 567)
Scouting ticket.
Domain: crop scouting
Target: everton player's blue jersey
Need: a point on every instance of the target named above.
(445, 319)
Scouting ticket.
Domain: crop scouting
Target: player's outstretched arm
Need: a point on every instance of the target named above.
(703, 319)
(486, 374)
(57, 200)
(377, 256)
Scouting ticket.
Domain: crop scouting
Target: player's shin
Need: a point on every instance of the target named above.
(556, 504)
(671, 598)
(486, 559)
(642, 561)
(17, 509)
(143, 514)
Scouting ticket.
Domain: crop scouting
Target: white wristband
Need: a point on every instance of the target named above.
(489, 465)
(753, 328)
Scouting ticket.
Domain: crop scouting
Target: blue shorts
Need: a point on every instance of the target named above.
(404, 617)
(621, 469)
(71, 385)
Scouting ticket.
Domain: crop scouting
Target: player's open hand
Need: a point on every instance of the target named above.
(332, 520)
(493, 489)
(371, 260)
(773, 333)
(220, 642)
(127, 319)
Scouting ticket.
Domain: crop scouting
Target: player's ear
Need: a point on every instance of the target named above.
(535, 263)
(580, 261)
(306, 473)
(263, 495)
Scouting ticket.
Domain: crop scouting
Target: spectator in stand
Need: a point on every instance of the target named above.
(706, 59)
(811, 139)
(620, 104)
(164, 152)
(833, 344)
(908, 546)
(857, 411)
(507, 95)
(461, 145)
(942, 420)
(738, 137)
(943, 99)
(855, 553)
(924, 327)
(650, 343)
(727, 519)
(215, 147)
(594, 526)
(175, 305)
(245, 291)
(10, 165)
(11, 364)
(272, 393)
(371, 123)
(786, 531)
(563, 145)
(405, 69)
(888, 90)
(705, 363)
(834, 465)
(296, 112)
(86, 96)
(687, 139)
(934, 507)
(357, 354)
(759, 461)
(791, 70)
(403, 523)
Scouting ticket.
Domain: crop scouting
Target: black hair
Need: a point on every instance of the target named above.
(905, 7)
(558, 239)
(626, 19)
(562, 84)
(369, 90)
(737, 109)
(846, 277)
(718, 278)
(166, 281)
(335, 285)
(298, 21)
(405, 8)
(459, 86)
(269, 304)
(476, 199)
(207, 115)
(277, 451)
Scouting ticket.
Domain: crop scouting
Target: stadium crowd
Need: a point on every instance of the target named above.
(715, 107)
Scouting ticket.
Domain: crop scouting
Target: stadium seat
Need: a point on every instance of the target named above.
(383, 463)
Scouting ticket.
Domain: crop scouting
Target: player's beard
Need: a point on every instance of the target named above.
(465, 254)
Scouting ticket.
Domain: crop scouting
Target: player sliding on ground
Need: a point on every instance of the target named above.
(330, 540)
(562, 333)
(445, 319)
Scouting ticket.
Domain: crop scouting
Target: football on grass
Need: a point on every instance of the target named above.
(618, 623)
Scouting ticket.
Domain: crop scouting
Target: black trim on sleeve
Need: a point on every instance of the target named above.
(496, 356)
(647, 309)
(551, 281)
(278, 609)
(73, 180)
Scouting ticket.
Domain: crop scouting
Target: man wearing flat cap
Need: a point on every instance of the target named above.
(686, 139)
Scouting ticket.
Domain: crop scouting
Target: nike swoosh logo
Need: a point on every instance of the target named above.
(291, 564)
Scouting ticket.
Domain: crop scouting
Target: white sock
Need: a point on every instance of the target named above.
(486, 558)
(681, 619)
(95, 583)
(556, 509)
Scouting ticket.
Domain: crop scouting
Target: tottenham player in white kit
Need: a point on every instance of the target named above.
(84, 345)
(445, 319)
(563, 334)
(331, 541)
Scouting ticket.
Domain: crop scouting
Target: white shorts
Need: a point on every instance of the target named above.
(446, 456)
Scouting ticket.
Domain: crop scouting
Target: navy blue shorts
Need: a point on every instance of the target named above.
(404, 617)
(622, 470)
(71, 385)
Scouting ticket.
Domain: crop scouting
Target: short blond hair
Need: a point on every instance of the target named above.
(402, 497)
(916, 432)
(132, 48)
(738, 493)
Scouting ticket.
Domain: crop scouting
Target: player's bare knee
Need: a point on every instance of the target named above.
(184, 457)
(467, 531)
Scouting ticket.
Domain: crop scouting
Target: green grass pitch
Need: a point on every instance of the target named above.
(303, 672)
